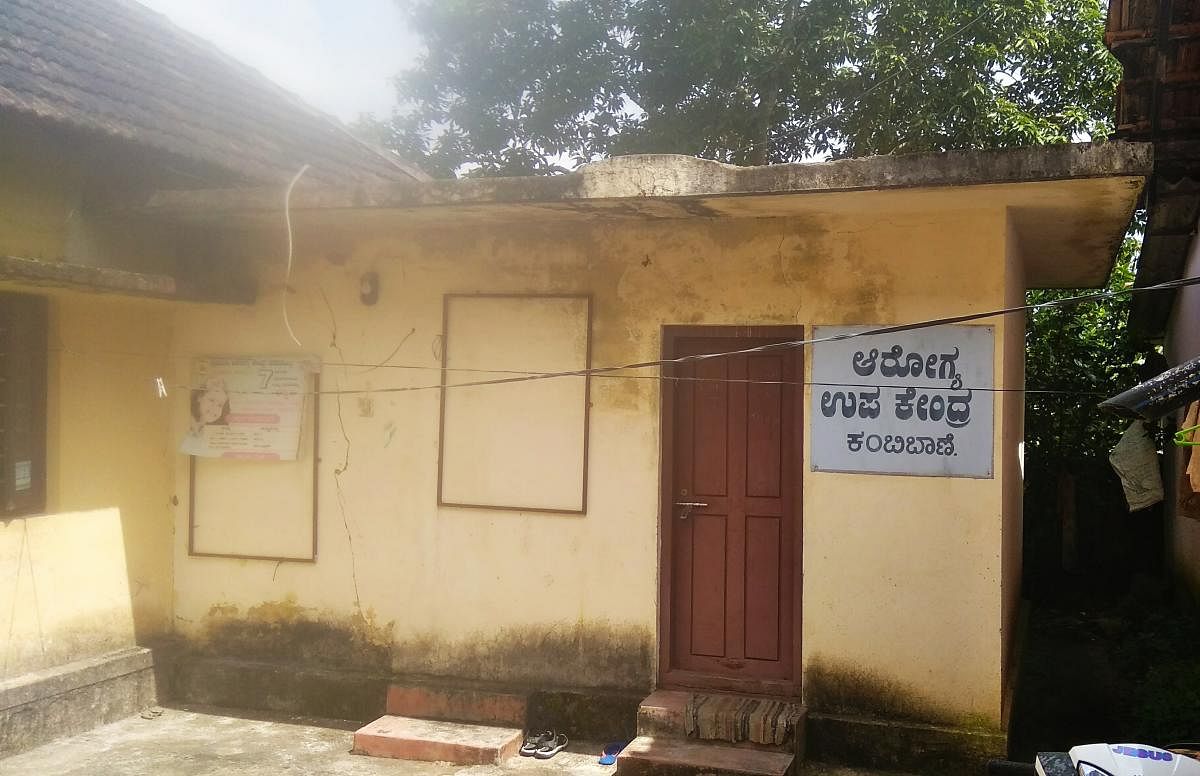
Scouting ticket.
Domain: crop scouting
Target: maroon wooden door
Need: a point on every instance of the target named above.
(733, 509)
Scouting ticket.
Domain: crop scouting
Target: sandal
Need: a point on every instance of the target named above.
(551, 748)
(609, 755)
(535, 741)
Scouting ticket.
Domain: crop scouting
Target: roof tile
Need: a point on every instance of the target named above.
(116, 67)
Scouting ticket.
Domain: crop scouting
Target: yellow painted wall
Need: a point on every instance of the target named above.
(1012, 406)
(903, 600)
(93, 574)
(108, 444)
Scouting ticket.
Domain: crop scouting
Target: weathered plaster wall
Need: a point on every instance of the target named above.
(1183, 343)
(1012, 406)
(902, 600)
(93, 574)
(902, 575)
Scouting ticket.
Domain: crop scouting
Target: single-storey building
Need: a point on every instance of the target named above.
(314, 433)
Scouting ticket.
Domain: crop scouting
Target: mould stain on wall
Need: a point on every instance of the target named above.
(579, 655)
(839, 687)
(584, 654)
(286, 632)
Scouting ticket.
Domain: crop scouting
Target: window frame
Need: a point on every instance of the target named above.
(24, 327)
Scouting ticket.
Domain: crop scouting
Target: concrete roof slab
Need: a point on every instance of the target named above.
(1070, 204)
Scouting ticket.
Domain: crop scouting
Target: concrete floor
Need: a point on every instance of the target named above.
(217, 742)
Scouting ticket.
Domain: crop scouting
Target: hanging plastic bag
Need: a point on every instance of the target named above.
(1136, 462)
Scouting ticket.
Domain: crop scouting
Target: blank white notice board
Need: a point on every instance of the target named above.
(518, 445)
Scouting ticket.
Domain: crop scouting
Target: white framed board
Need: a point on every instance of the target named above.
(913, 403)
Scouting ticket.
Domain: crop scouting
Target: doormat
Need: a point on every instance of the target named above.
(736, 719)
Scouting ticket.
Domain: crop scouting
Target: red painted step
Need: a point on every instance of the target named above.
(481, 705)
(406, 738)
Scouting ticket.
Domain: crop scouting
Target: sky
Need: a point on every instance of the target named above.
(337, 55)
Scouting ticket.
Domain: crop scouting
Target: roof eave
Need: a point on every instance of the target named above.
(683, 177)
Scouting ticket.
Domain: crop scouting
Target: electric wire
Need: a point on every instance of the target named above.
(517, 376)
(287, 279)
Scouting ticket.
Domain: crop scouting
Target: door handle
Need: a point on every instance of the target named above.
(688, 506)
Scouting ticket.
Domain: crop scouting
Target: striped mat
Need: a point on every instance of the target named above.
(736, 718)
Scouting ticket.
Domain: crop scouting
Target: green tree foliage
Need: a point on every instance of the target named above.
(1084, 352)
(521, 86)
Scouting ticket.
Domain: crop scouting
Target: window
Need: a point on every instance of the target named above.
(22, 404)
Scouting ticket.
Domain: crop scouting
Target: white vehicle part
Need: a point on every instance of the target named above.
(1131, 760)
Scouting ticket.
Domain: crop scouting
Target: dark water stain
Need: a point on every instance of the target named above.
(285, 632)
(569, 655)
(872, 298)
(836, 687)
(585, 654)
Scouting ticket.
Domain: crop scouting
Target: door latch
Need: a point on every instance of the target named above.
(688, 506)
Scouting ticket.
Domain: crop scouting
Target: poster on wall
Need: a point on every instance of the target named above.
(246, 407)
(917, 403)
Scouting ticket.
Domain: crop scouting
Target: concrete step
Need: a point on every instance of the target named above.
(481, 705)
(648, 756)
(774, 724)
(661, 714)
(407, 738)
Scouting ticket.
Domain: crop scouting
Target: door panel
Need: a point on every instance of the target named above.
(762, 587)
(764, 412)
(708, 585)
(710, 421)
(733, 456)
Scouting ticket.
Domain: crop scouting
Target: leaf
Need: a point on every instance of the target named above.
(745, 80)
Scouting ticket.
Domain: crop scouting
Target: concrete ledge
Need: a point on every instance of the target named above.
(61, 274)
(901, 746)
(39, 707)
(38, 685)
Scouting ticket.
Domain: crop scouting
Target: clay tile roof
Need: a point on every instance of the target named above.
(116, 67)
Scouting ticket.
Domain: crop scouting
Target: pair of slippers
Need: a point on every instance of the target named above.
(543, 745)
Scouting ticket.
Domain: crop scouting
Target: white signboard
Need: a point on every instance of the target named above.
(916, 402)
(246, 407)
(23, 475)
